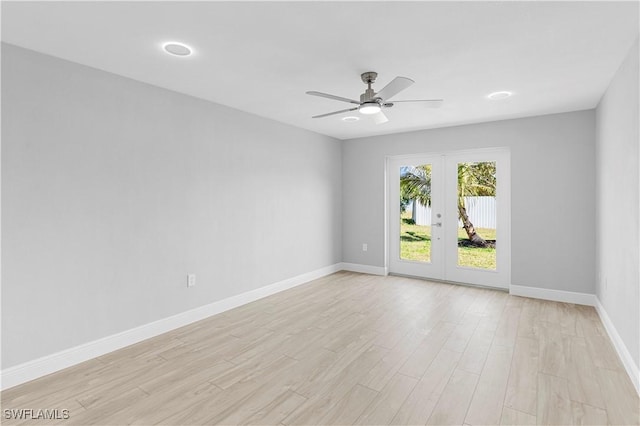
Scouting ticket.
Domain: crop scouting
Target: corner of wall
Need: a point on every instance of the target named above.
(618, 211)
(625, 356)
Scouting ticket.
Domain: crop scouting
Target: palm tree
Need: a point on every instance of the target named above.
(474, 179)
(415, 186)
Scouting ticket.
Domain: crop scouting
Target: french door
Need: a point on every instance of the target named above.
(449, 216)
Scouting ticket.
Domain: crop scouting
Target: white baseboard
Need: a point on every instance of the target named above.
(30, 370)
(554, 295)
(365, 269)
(627, 360)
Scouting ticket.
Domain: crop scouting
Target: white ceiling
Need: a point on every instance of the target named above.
(262, 57)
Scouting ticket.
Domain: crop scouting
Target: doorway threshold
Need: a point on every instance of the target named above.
(505, 290)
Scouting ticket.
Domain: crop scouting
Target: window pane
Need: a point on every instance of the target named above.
(415, 213)
(477, 215)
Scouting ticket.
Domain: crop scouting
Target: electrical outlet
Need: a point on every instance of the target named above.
(365, 247)
(191, 280)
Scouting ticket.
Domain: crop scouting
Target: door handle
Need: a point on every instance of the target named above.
(438, 224)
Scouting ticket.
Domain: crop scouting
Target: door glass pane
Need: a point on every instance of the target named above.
(415, 213)
(477, 215)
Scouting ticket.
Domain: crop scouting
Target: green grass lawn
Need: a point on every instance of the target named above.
(415, 244)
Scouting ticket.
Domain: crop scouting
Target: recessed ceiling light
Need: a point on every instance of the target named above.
(177, 49)
(495, 96)
(350, 119)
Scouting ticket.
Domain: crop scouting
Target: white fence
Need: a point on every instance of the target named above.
(481, 211)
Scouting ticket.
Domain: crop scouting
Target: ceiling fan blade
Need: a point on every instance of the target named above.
(334, 113)
(380, 118)
(429, 103)
(336, 98)
(396, 86)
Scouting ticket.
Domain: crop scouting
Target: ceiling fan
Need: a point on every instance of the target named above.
(371, 102)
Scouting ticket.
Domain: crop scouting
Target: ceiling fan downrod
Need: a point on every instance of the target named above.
(368, 78)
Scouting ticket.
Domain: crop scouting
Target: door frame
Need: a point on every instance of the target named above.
(503, 156)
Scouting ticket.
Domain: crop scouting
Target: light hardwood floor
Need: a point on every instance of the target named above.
(357, 349)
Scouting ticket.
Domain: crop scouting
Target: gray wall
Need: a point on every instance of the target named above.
(114, 190)
(618, 285)
(552, 159)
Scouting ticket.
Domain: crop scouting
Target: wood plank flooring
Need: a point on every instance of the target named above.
(356, 349)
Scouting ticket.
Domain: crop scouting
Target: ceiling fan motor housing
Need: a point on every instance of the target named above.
(368, 95)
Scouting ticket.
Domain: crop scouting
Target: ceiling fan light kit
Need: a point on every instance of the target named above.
(368, 108)
(372, 103)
